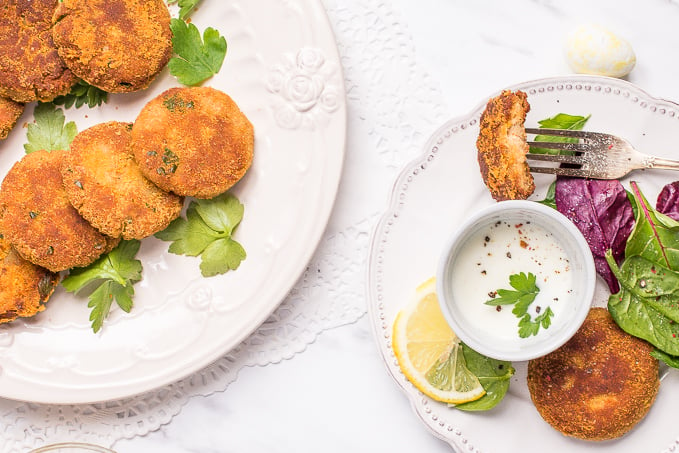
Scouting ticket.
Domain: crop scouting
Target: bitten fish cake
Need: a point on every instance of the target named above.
(104, 183)
(598, 385)
(40, 222)
(24, 287)
(115, 45)
(193, 141)
(502, 147)
(30, 66)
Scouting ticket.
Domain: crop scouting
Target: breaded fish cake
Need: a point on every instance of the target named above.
(193, 141)
(30, 66)
(104, 183)
(502, 147)
(10, 111)
(116, 45)
(597, 386)
(38, 219)
(24, 287)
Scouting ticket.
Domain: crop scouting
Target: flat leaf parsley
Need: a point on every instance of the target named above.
(207, 231)
(112, 276)
(82, 93)
(49, 131)
(522, 296)
(197, 59)
(185, 7)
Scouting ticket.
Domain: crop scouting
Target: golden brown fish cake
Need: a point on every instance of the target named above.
(502, 147)
(193, 141)
(118, 46)
(10, 111)
(30, 66)
(104, 183)
(24, 287)
(40, 222)
(597, 386)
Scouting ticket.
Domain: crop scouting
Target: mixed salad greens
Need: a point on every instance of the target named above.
(635, 248)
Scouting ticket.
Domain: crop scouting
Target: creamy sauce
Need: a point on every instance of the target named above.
(484, 265)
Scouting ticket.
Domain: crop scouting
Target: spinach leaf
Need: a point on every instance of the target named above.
(559, 121)
(494, 376)
(669, 360)
(550, 196)
(646, 305)
(651, 284)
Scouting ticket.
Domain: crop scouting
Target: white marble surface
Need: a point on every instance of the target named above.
(336, 396)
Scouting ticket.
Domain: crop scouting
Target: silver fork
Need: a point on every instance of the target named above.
(600, 156)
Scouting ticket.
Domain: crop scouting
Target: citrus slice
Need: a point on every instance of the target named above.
(429, 353)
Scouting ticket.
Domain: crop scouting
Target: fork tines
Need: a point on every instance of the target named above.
(575, 156)
(559, 132)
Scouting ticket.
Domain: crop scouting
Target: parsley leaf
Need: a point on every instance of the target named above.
(113, 276)
(207, 232)
(197, 58)
(528, 327)
(522, 296)
(49, 131)
(81, 93)
(185, 7)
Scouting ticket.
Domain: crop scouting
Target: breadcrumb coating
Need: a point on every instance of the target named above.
(118, 46)
(104, 183)
(597, 386)
(30, 66)
(24, 287)
(193, 141)
(502, 147)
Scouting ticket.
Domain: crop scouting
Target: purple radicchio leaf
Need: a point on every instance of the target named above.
(668, 200)
(604, 215)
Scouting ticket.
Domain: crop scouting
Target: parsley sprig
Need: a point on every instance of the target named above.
(49, 131)
(522, 296)
(207, 231)
(82, 93)
(185, 7)
(112, 276)
(197, 59)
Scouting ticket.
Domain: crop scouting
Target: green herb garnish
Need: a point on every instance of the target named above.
(559, 121)
(207, 231)
(82, 93)
(197, 59)
(522, 296)
(49, 131)
(185, 7)
(112, 276)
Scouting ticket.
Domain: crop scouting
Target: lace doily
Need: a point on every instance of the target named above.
(393, 107)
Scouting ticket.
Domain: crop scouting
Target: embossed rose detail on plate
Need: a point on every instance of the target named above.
(306, 88)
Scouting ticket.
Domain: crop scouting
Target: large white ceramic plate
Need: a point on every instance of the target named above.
(283, 69)
(443, 186)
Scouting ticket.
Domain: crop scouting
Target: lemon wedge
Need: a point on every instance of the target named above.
(429, 353)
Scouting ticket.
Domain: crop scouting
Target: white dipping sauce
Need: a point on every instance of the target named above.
(490, 256)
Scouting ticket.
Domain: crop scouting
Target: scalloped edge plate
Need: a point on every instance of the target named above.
(283, 70)
(437, 190)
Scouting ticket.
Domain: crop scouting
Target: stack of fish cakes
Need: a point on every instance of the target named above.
(65, 208)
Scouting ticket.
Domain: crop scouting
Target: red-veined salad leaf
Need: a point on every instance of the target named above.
(603, 213)
(655, 235)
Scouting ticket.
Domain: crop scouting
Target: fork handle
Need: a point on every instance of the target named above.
(662, 164)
